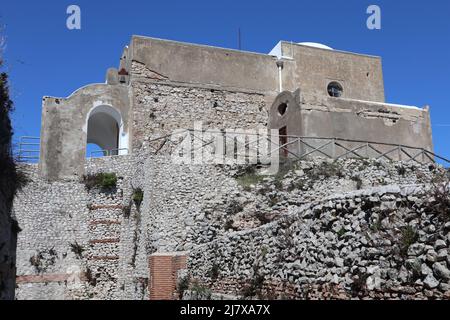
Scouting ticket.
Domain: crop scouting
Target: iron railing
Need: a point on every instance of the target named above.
(108, 153)
(299, 148)
(29, 149)
(295, 147)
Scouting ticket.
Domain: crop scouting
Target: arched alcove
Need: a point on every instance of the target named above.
(105, 129)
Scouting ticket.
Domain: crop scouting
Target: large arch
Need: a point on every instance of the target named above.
(105, 129)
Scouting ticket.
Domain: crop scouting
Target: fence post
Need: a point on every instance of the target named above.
(333, 149)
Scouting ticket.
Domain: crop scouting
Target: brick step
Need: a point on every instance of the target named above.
(104, 241)
(103, 258)
(93, 207)
(104, 222)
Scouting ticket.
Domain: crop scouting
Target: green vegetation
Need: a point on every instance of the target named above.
(182, 286)
(214, 272)
(202, 292)
(103, 181)
(138, 197)
(11, 179)
(401, 170)
(249, 178)
(326, 170)
(359, 182)
(440, 191)
(77, 249)
(408, 237)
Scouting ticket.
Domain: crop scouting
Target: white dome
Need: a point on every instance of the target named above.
(315, 45)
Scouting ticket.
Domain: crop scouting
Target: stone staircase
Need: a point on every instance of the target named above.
(103, 255)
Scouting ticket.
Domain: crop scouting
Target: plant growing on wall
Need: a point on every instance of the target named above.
(138, 197)
(409, 236)
(77, 249)
(103, 181)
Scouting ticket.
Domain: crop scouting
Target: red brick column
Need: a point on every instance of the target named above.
(164, 269)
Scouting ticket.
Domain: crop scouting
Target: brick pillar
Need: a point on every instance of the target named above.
(164, 269)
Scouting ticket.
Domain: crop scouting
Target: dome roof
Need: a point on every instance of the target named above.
(315, 45)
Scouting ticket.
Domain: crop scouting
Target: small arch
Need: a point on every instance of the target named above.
(282, 108)
(335, 89)
(105, 130)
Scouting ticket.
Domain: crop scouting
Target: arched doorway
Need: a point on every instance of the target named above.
(105, 130)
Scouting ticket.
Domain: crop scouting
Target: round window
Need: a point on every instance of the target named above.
(282, 108)
(335, 89)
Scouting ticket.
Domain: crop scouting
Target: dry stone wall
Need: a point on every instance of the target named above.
(160, 108)
(318, 229)
(383, 242)
(80, 243)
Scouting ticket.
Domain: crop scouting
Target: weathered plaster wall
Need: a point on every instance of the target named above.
(327, 117)
(312, 69)
(64, 127)
(197, 64)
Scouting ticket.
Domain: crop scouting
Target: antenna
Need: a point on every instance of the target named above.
(239, 39)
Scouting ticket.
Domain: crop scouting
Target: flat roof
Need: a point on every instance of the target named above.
(251, 52)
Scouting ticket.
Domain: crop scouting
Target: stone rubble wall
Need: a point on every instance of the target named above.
(189, 205)
(161, 108)
(57, 216)
(383, 242)
(309, 231)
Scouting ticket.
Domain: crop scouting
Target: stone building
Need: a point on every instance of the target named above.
(86, 243)
(299, 89)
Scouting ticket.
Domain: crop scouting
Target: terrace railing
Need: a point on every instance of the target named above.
(295, 147)
(299, 148)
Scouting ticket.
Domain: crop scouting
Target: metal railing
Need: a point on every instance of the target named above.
(295, 147)
(109, 153)
(29, 149)
(300, 148)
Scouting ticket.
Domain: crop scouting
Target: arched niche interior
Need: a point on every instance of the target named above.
(105, 130)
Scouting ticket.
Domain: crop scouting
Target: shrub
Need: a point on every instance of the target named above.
(249, 179)
(255, 286)
(91, 279)
(440, 191)
(234, 207)
(408, 237)
(36, 262)
(138, 197)
(359, 182)
(229, 225)
(327, 170)
(202, 292)
(401, 170)
(77, 249)
(104, 181)
(182, 285)
(358, 285)
(262, 217)
(214, 272)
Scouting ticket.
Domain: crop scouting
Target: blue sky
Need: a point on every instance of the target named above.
(43, 57)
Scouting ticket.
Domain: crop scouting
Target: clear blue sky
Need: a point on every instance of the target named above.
(44, 58)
